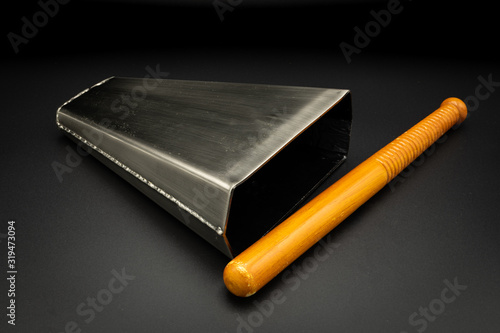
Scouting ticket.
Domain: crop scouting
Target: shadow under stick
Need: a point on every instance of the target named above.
(266, 258)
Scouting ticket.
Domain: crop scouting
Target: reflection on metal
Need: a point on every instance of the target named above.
(229, 160)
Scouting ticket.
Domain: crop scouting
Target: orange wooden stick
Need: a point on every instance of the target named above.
(270, 255)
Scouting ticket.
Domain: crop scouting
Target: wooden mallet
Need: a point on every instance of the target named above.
(266, 258)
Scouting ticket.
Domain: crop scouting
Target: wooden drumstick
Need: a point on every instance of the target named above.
(270, 255)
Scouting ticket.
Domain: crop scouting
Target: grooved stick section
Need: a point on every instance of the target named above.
(398, 154)
(265, 259)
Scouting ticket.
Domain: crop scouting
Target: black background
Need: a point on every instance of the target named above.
(437, 222)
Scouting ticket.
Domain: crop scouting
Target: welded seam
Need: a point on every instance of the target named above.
(181, 205)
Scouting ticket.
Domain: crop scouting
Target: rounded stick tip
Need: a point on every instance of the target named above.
(238, 280)
(460, 105)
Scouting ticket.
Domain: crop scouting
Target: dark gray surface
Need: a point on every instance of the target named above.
(395, 256)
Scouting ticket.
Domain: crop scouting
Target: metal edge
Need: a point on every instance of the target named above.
(231, 192)
(138, 176)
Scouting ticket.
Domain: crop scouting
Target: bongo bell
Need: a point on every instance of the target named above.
(229, 160)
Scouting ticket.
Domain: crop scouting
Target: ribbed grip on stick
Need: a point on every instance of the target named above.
(265, 259)
(398, 154)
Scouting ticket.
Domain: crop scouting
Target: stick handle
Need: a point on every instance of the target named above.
(270, 255)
